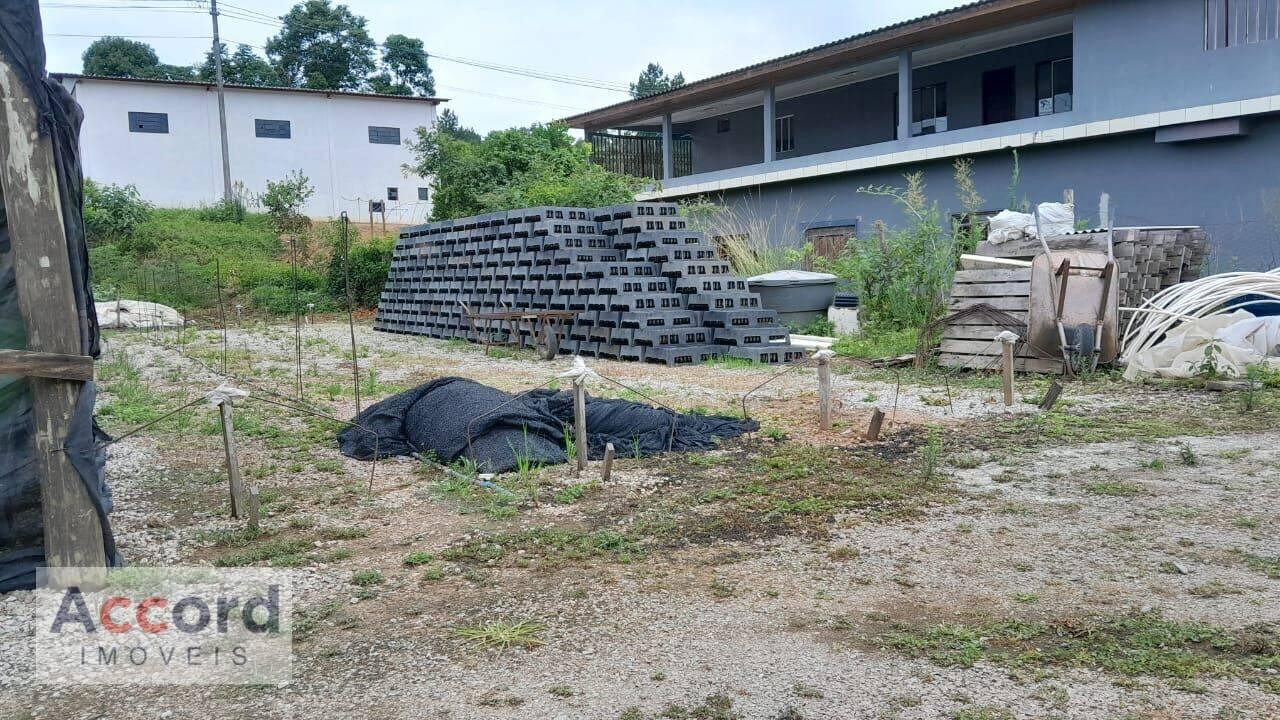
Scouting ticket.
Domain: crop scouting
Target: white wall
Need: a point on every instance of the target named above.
(329, 144)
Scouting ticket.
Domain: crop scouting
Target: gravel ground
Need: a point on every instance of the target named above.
(778, 624)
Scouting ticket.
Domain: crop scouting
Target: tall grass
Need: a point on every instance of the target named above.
(753, 242)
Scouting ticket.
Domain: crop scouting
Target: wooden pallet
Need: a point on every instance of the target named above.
(968, 338)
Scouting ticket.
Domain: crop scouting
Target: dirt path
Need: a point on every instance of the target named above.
(978, 565)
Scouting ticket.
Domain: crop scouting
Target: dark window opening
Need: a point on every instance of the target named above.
(784, 139)
(722, 125)
(149, 122)
(393, 193)
(272, 129)
(929, 109)
(422, 194)
(384, 135)
(998, 96)
(1053, 87)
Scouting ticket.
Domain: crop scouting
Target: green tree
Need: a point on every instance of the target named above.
(244, 67)
(520, 167)
(404, 68)
(654, 80)
(322, 46)
(449, 124)
(120, 57)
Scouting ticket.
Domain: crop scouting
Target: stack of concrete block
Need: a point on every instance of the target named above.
(643, 286)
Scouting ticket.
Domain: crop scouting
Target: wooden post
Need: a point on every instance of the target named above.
(873, 430)
(1006, 354)
(607, 470)
(824, 391)
(580, 420)
(46, 299)
(255, 516)
(1051, 395)
(233, 459)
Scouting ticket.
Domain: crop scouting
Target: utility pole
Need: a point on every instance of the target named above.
(222, 104)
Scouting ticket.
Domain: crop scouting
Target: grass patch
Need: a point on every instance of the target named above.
(1129, 645)
(867, 346)
(549, 545)
(418, 557)
(503, 634)
(277, 553)
(366, 578)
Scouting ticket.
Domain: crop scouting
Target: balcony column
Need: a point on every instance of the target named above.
(667, 164)
(904, 94)
(769, 124)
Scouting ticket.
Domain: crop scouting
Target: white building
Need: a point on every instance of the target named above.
(162, 136)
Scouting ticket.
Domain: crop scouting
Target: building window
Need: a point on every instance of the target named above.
(422, 194)
(722, 125)
(272, 129)
(784, 138)
(393, 193)
(149, 122)
(1239, 22)
(929, 109)
(1053, 87)
(384, 135)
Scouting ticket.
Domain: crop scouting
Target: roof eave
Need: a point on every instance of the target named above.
(867, 46)
(236, 86)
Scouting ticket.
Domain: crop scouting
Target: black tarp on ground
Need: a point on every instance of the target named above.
(439, 416)
(21, 530)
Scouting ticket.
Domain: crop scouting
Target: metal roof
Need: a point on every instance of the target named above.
(238, 86)
(1039, 6)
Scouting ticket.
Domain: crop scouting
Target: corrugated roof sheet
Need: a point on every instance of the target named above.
(815, 48)
(238, 86)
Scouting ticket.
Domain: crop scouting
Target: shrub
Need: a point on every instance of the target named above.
(279, 300)
(284, 199)
(112, 212)
(233, 210)
(369, 262)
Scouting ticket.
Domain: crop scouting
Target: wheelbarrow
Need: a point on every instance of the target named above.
(1074, 308)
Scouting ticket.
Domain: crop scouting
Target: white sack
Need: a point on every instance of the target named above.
(1238, 340)
(1056, 219)
(1008, 225)
(136, 314)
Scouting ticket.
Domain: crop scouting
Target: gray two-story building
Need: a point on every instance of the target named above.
(1172, 107)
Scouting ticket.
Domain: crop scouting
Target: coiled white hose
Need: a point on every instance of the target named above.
(1207, 296)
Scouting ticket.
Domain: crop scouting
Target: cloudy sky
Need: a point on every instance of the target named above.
(598, 45)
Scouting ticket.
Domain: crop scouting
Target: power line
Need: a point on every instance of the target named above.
(515, 99)
(132, 37)
(247, 15)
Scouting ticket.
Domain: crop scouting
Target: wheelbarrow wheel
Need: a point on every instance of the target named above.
(548, 342)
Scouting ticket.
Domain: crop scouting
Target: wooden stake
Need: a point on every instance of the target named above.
(607, 470)
(1007, 368)
(233, 459)
(255, 517)
(580, 420)
(47, 302)
(824, 392)
(1051, 396)
(873, 430)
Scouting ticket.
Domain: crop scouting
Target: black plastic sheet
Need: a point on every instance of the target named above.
(454, 418)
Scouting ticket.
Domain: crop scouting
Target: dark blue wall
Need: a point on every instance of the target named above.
(1141, 56)
(862, 113)
(1231, 186)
